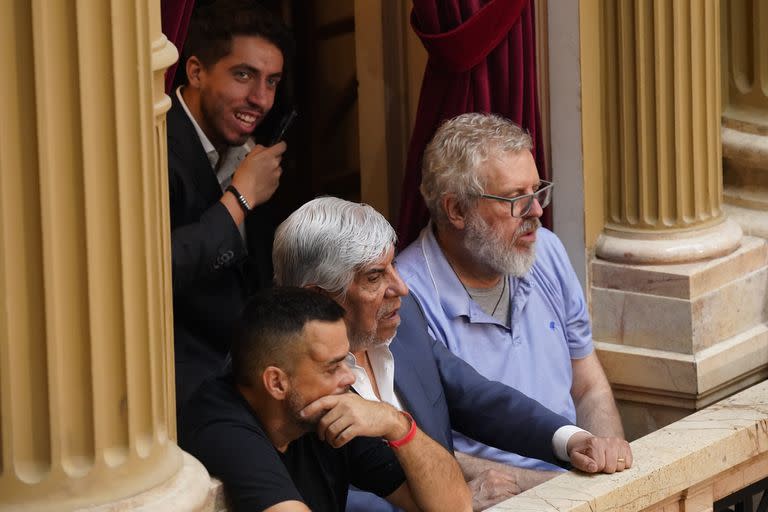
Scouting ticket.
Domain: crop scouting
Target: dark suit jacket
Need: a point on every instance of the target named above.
(213, 271)
(444, 392)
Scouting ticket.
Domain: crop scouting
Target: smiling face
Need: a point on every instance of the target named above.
(372, 303)
(319, 368)
(231, 97)
(493, 237)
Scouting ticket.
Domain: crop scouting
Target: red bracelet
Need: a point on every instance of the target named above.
(407, 438)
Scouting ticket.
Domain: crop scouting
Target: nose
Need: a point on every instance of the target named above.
(536, 209)
(347, 377)
(397, 287)
(259, 95)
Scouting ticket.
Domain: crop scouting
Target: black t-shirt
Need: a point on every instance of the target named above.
(220, 429)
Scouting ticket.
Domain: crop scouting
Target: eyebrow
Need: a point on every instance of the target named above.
(375, 270)
(336, 361)
(245, 67)
(520, 191)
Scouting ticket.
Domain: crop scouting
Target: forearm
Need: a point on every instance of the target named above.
(472, 467)
(596, 412)
(595, 408)
(233, 207)
(433, 475)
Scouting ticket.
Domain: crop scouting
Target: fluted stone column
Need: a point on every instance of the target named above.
(662, 97)
(86, 383)
(745, 116)
(677, 293)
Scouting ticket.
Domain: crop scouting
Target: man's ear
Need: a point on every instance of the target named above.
(194, 69)
(317, 289)
(454, 211)
(276, 382)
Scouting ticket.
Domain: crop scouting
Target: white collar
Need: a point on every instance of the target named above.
(383, 366)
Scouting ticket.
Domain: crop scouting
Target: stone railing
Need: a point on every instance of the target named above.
(686, 466)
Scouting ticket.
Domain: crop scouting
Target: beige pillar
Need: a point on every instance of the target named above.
(677, 294)
(662, 97)
(86, 382)
(745, 116)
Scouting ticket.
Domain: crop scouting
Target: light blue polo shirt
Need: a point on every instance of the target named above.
(549, 327)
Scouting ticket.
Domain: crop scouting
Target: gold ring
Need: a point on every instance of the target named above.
(620, 459)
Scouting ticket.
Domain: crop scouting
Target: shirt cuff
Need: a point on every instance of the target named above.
(561, 438)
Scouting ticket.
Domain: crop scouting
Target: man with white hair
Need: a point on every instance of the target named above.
(498, 290)
(346, 251)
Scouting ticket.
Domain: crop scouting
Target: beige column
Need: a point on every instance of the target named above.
(662, 97)
(86, 382)
(677, 293)
(745, 115)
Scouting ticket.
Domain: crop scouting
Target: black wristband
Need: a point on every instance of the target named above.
(243, 202)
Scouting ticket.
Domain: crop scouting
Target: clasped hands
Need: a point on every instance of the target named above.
(593, 454)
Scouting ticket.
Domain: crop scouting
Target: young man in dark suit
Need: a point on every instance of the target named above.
(236, 54)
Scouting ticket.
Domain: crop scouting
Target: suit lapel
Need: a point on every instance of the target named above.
(409, 387)
(185, 144)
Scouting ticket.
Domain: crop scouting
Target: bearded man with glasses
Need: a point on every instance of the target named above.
(498, 289)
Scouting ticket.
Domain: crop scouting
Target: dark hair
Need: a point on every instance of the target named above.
(271, 325)
(214, 24)
(211, 29)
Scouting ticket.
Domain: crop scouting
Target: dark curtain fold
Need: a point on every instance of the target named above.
(175, 16)
(482, 58)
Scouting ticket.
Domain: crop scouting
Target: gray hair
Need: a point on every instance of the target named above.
(326, 241)
(459, 147)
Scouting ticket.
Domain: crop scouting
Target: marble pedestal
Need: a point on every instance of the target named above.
(674, 339)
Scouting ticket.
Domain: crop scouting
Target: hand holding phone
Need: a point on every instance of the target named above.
(258, 176)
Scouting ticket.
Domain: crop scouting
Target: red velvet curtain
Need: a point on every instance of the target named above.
(482, 58)
(174, 15)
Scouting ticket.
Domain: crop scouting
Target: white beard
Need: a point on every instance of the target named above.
(491, 250)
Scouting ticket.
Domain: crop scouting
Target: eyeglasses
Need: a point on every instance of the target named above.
(520, 206)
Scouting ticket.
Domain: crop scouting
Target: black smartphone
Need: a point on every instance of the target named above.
(283, 126)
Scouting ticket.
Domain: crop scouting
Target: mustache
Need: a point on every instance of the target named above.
(388, 311)
(527, 226)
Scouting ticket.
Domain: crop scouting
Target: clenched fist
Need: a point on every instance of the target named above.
(258, 175)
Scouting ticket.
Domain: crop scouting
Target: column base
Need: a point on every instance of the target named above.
(676, 338)
(678, 247)
(745, 169)
(190, 490)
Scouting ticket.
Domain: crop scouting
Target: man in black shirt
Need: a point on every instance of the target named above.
(284, 433)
